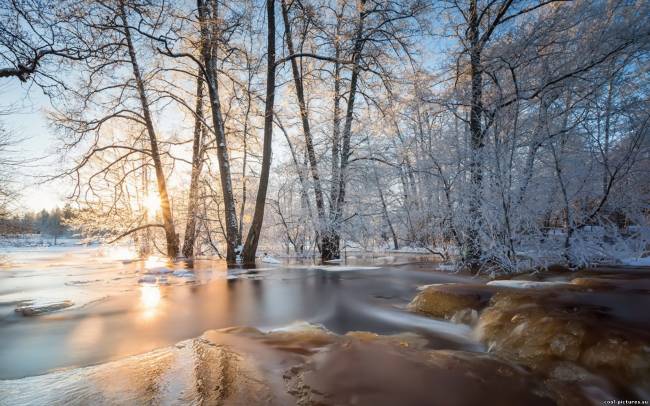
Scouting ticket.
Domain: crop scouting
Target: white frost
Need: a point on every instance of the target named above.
(267, 259)
(637, 261)
(516, 284)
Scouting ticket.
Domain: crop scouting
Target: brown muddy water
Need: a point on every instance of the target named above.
(138, 333)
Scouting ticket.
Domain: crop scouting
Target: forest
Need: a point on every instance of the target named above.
(500, 134)
(325, 202)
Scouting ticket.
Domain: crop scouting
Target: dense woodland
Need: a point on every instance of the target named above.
(52, 224)
(501, 134)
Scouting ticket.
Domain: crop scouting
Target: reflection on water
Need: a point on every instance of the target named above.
(122, 253)
(150, 300)
(126, 318)
(154, 261)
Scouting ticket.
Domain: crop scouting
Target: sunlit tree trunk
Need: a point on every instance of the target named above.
(168, 223)
(208, 18)
(252, 239)
(197, 164)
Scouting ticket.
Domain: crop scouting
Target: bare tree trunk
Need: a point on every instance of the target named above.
(608, 120)
(145, 242)
(208, 18)
(473, 253)
(331, 249)
(336, 132)
(309, 144)
(168, 223)
(302, 177)
(252, 239)
(244, 179)
(197, 164)
(384, 209)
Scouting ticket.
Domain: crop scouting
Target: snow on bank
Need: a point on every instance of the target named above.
(36, 241)
(298, 326)
(445, 267)
(636, 261)
(519, 284)
(343, 268)
(267, 259)
(424, 287)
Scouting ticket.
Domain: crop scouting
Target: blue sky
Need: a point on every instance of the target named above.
(27, 107)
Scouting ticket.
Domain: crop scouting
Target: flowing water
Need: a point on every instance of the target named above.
(84, 325)
(114, 316)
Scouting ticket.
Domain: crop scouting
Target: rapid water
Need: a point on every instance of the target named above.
(114, 316)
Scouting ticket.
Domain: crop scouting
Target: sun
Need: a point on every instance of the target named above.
(152, 204)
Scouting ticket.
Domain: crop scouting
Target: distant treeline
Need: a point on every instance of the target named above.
(53, 223)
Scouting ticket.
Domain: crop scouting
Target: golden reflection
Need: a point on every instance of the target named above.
(150, 300)
(121, 253)
(87, 333)
(154, 262)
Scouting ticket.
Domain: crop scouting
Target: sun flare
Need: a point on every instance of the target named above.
(122, 253)
(150, 297)
(154, 261)
(152, 205)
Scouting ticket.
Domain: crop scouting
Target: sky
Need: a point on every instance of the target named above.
(26, 120)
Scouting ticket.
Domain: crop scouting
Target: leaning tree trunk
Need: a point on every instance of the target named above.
(168, 223)
(252, 239)
(209, 34)
(197, 164)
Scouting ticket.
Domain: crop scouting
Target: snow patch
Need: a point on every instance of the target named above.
(341, 268)
(36, 307)
(182, 273)
(423, 287)
(267, 259)
(445, 267)
(298, 326)
(161, 270)
(636, 261)
(517, 284)
(148, 279)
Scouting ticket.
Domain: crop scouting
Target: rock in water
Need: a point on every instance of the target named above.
(445, 300)
(160, 270)
(148, 279)
(33, 308)
(540, 330)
